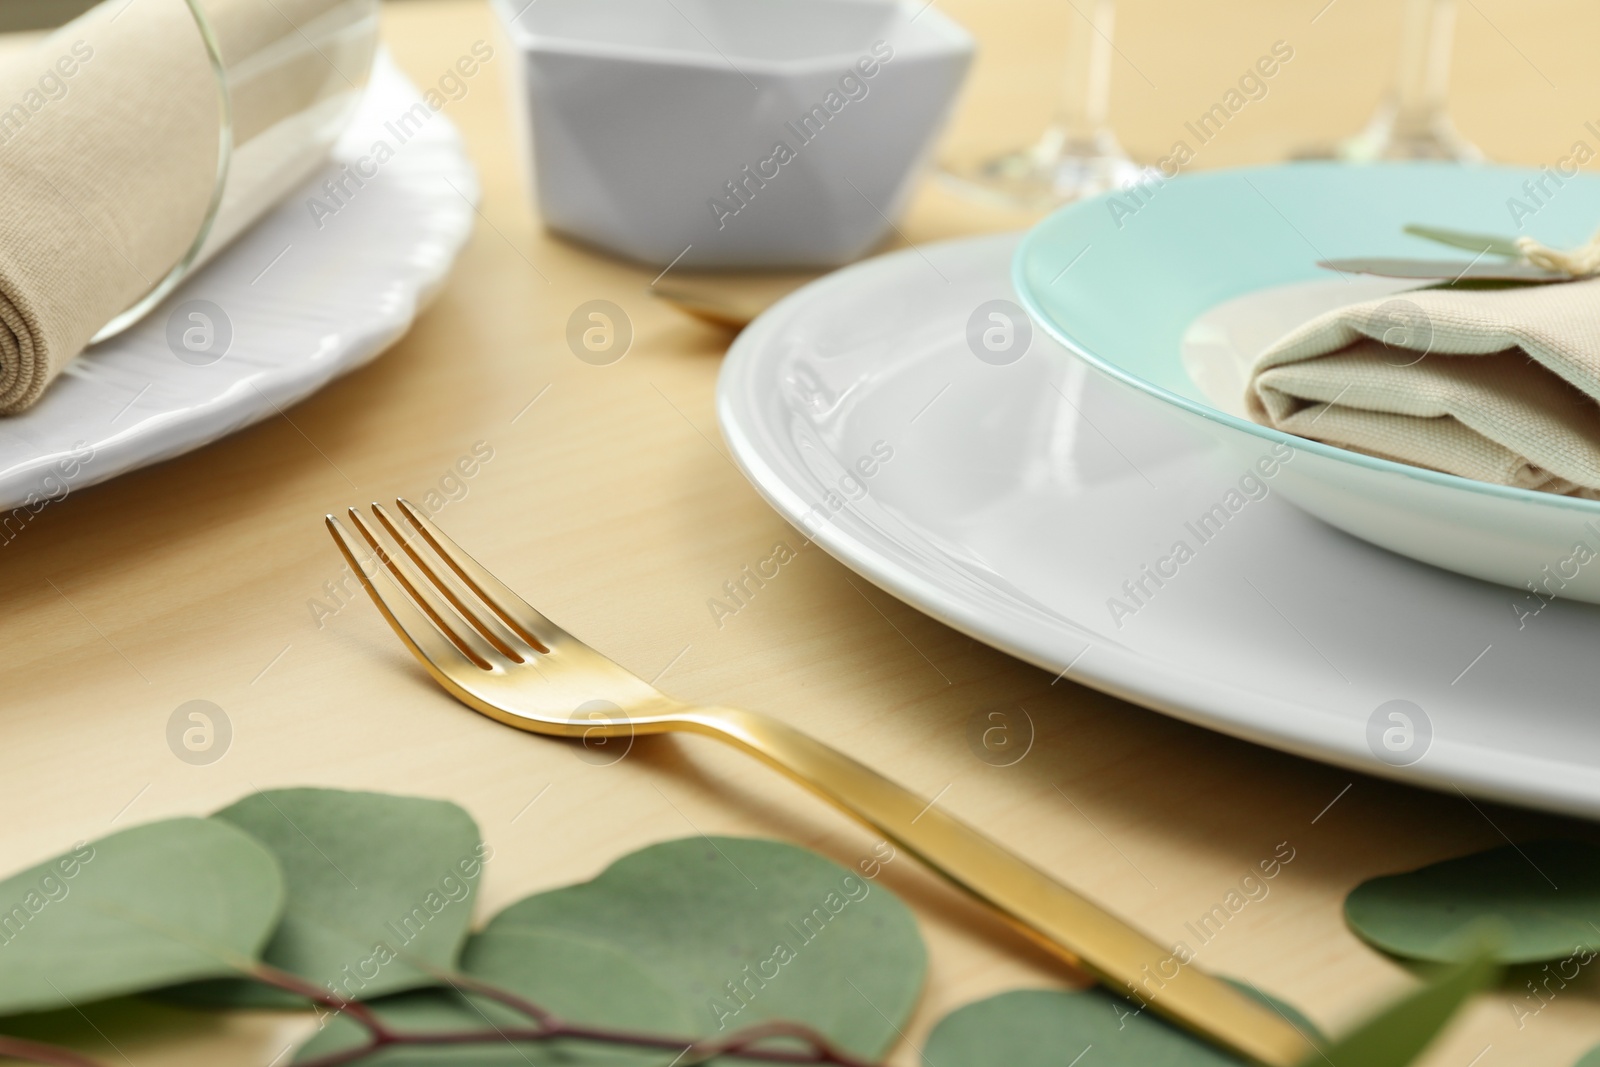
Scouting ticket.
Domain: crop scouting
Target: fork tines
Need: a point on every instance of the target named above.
(433, 592)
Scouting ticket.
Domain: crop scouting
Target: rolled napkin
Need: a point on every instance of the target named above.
(1499, 385)
(109, 133)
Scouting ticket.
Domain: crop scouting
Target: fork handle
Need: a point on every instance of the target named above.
(1086, 935)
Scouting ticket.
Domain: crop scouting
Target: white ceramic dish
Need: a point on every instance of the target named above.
(298, 300)
(1020, 497)
(1238, 250)
(726, 132)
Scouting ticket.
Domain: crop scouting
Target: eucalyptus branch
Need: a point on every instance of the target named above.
(740, 1041)
(690, 1052)
(505, 997)
(549, 1027)
(695, 1052)
(293, 983)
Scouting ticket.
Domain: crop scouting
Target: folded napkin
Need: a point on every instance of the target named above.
(108, 159)
(1500, 385)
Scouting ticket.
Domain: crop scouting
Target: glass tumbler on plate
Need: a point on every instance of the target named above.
(169, 126)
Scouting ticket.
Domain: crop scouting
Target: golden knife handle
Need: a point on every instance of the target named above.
(1088, 936)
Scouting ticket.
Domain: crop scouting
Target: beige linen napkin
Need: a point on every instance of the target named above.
(108, 158)
(1499, 385)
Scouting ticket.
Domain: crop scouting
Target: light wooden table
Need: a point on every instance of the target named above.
(609, 502)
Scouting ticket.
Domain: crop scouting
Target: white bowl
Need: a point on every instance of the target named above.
(730, 133)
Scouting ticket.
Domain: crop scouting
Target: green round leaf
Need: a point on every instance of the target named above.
(1590, 1058)
(580, 981)
(1050, 1028)
(1436, 912)
(380, 888)
(749, 931)
(152, 905)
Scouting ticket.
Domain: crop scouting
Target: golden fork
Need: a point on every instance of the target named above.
(491, 650)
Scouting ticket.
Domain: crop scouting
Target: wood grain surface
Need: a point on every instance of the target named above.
(611, 503)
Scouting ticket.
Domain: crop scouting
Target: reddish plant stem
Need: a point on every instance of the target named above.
(823, 1050)
(740, 1040)
(293, 983)
(692, 1051)
(550, 1028)
(467, 983)
(39, 1052)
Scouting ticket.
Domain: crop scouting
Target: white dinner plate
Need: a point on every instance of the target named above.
(1013, 500)
(304, 296)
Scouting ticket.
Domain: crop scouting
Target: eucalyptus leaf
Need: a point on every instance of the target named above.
(1429, 914)
(1472, 242)
(749, 931)
(580, 981)
(155, 904)
(1590, 1058)
(1050, 1027)
(381, 889)
(1474, 285)
(1398, 1034)
(1444, 269)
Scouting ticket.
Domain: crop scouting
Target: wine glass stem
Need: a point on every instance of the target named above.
(1086, 82)
(1423, 80)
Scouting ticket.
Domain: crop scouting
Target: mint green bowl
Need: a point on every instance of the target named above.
(1120, 279)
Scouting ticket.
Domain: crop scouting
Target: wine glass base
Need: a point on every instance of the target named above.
(1388, 138)
(1031, 180)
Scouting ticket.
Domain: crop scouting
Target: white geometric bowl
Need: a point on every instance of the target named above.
(731, 133)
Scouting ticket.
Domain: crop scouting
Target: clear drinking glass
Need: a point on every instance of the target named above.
(191, 257)
(1413, 122)
(284, 78)
(1078, 155)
